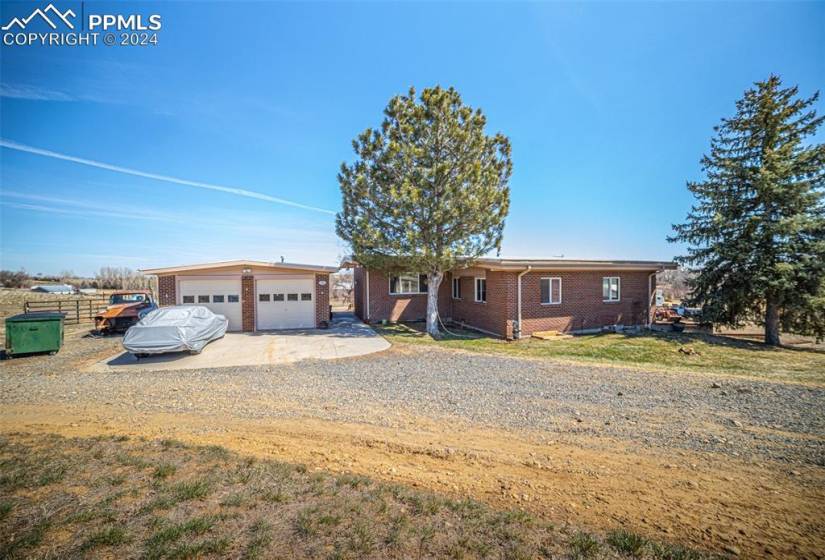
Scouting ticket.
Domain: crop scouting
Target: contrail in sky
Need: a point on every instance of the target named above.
(11, 145)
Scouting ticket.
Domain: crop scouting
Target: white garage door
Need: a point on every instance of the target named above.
(221, 296)
(285, 304)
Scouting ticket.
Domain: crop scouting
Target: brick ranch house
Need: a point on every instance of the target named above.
(253, 295)
(512, 298)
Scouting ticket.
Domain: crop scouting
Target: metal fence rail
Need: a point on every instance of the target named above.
(76, 310)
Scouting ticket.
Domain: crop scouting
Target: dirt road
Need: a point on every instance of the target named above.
(763, 501)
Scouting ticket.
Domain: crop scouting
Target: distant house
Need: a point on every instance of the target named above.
(512, 298)
(54, 289)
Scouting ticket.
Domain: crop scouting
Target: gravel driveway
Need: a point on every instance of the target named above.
(753, 420)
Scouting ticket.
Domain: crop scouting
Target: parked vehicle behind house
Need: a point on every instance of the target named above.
(126, 307)
(182, 328)
(692, 312)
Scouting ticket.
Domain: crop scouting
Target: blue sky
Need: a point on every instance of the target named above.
(609, 108)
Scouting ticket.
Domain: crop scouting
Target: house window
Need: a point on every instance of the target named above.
(217, 299)
(456, 288)
(404, 284)
(203, 299)
(292, 297)
(233, 298)
(481, 290)
(263, 297)
(551, 291)
(277, 297)
(306, 297)
(188, 299)
(611, 288)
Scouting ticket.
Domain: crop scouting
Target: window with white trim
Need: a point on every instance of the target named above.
(456, 288)
(188, 299)
(550, 290)
(481, 290)
(406, 284)
(611, 288)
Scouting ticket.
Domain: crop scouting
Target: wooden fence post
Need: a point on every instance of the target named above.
(82, 313)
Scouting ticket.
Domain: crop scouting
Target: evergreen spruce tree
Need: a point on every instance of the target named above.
(428, 191)
(757, 231)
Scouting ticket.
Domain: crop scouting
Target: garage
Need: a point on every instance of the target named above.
(222, 296)
(285, 303)
(253, 295)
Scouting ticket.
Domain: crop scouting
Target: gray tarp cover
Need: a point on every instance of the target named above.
(175, 329)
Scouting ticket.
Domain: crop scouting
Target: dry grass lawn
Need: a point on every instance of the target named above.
(12, 302)
(652, 351)
(116, 497)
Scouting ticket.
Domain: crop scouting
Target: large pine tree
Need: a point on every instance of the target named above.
(756, 235)
(429, 189)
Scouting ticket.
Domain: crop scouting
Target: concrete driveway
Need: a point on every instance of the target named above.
(346, 337)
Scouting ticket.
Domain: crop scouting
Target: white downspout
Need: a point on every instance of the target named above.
(518, 290)
(367, 303)
(650, 296)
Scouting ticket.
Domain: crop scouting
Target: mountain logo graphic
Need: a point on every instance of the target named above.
(50, 9)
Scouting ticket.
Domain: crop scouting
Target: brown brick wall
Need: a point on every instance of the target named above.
(495, 316)
(321, 299)
(383, 306)
(248, 303)
(167, 291)
(358, 291)
(581, 305)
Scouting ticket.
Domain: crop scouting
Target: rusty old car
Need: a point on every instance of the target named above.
(126, 307)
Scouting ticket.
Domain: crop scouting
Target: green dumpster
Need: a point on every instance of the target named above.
(34, 332)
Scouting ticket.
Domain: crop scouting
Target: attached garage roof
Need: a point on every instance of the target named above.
(250, 264)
